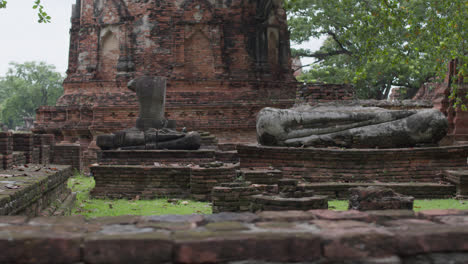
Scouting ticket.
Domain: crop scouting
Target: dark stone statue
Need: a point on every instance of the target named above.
(349, 125)
(152, 130)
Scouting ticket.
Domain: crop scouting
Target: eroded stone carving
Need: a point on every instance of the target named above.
(349, 125)
(152, 130)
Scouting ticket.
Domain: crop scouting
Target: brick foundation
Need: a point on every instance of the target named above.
(41, 187)
(150, 157)
(148, 182)
(356, 165)
(68, 154)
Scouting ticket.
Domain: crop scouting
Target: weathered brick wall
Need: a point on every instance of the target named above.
(356, 165)
(262, 176)
(24, 142)
(313, 93)
(19, 158)
(68, 154)
(6, 149)
(146, 182)
(45, 143)
(316, 236)
(202, 180)
(36, 156)
(149, 157)
(234, 197)
(36, 191)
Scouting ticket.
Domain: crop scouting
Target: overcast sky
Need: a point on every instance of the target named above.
(23, 39)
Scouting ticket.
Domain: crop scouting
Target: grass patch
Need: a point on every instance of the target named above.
(419, 205)
(89, 207)
(440, 204)
(338, 205)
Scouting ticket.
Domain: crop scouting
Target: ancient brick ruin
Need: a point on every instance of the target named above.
(224, 60)
(29, 184)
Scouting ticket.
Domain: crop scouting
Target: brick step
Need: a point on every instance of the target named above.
(418, 190)
(460, 179)
(261, 176)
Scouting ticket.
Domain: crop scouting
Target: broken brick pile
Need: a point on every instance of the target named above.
(204, 178)
(378, 198)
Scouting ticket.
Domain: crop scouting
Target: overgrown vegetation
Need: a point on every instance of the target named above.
(383, 43)
(24, 88)
(89, 207)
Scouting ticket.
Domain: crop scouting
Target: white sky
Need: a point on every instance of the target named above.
(23, 39)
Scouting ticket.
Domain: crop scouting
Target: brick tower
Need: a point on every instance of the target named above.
(224, 61)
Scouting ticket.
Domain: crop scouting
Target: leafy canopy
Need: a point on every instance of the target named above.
(42, 16)
(383, 43)
(26, 87)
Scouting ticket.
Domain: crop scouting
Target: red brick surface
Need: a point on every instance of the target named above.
(316, 236)
(356, 165)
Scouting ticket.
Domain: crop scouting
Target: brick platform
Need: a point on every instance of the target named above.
(317, 236)
(356, 165)
(419, 190)
(148, 182)
(30, 190)
(149, 157)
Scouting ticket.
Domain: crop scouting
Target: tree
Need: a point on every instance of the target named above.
(379, 44)
(43, 17)
(26, 87)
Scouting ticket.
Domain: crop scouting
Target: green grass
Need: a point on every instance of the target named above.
(419, 205)
(440, 204)
(338, 205)
(89, 207)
